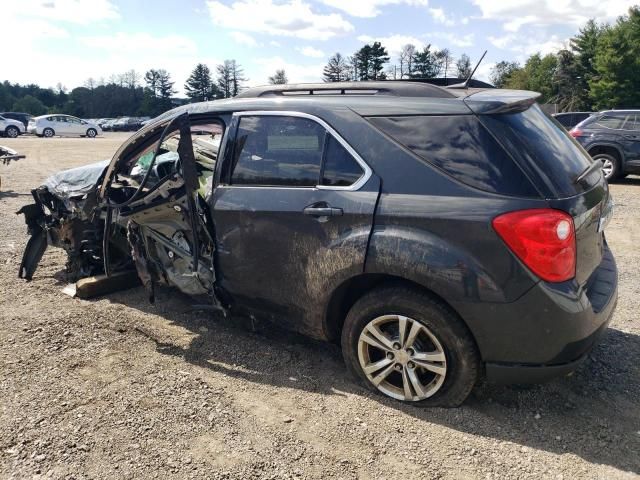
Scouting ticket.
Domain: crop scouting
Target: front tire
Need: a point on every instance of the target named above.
(407, 345)
(48, 133)
(91, 133)
(610, 166)
(12, 132)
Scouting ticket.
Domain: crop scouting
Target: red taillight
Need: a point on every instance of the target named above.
(575, 132)
(544, 239)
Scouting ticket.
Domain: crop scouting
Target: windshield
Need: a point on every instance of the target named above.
(539, 143)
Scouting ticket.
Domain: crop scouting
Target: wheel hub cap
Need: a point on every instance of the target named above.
(402, 357)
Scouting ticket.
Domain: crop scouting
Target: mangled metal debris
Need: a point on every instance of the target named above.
(7, 155)
(144, 211)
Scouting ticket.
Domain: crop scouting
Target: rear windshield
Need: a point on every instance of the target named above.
(539, 143)
(461, 147)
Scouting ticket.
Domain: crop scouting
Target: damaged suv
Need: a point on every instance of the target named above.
(439, 234)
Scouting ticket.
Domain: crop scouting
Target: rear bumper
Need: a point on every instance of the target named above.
(549, 330)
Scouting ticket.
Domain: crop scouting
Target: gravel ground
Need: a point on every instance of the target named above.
(119, 388)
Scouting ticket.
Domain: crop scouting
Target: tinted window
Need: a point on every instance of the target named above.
(611, 121)
(277, 150)
(541, 144)
(565, 120)
(460, 146)
(340, 168)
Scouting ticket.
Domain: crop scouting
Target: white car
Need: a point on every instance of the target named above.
(11, 128)
(63, 125)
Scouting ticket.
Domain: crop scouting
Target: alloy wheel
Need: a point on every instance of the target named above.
(12, 132)
(607, 167)
(402, 357)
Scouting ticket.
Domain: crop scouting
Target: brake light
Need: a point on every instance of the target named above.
(576, 132)
(544, 239)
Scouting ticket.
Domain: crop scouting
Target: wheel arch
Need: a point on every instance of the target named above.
(352, 289)
(608, 148)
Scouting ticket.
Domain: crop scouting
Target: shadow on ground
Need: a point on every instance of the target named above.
(594, 414)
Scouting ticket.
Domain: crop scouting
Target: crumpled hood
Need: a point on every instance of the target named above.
(76, 181)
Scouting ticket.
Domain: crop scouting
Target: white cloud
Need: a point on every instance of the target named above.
(310, 52)
(81, 12)
(292, 18)
(368, 8)
(528, 44)
(245, 39)
(141, 42)
(456, 40)
(439, 16)
(549, 12)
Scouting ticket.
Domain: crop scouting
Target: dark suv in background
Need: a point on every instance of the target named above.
(21, 117)
(570, 119)
(438, 234)
(613, 138)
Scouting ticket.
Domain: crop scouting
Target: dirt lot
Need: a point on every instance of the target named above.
(118, 388)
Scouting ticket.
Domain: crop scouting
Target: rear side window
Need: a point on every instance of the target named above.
(273, 150)
(540, 144)
(611, 121)
(462, 147)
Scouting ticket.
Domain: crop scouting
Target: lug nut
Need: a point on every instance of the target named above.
(411, 365)
(398, 367)
(390, 356)
(396, 346)
(410, 352)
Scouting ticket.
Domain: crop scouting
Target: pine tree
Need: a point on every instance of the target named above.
(425, 64)
(279, 78)
(336, 70)
(198, 86)
(237, 78)
(223, 81)
(369, 62)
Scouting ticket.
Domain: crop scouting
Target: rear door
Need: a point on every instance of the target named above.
(631, 136)
(293, 211)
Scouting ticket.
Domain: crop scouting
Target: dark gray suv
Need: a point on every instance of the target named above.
(440, 235)
(613, 138)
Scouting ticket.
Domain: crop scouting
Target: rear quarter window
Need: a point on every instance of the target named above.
(462, 147)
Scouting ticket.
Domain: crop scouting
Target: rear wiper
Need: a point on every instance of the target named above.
(587, 171)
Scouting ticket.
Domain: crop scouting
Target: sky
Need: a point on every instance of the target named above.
(69, 41)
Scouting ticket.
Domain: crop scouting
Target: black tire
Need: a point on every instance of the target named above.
(91, 133)
(462, 358)
(612, 173)
(12, 131)
(48, 133)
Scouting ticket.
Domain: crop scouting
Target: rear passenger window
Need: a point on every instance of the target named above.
(340, 168)
(274, 150)
(460, 146)
(610, 121)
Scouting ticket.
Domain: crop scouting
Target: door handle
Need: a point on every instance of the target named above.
(323, 211)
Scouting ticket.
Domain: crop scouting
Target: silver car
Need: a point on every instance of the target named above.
(62, 125)
(10, 128)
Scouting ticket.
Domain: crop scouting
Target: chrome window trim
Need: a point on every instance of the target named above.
(288, 113)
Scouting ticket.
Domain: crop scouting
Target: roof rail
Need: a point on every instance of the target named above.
(394, 89)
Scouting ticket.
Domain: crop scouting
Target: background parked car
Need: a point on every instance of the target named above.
(571, 119)
(63, 125)
(613, 137)
(20, 116)
(128, 124)
(10, 127)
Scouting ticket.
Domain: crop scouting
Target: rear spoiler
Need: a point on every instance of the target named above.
(493, 101)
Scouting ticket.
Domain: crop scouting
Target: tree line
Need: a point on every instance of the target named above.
(599, 70)
(372, 62)
(126, 94)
